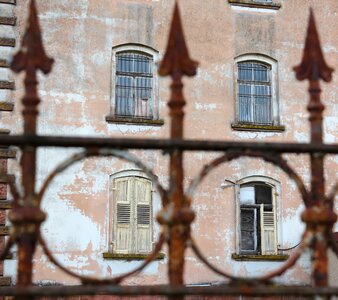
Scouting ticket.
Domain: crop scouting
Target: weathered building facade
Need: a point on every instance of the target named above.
(101, 212)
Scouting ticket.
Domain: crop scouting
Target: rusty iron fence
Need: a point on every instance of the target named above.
(177, 213)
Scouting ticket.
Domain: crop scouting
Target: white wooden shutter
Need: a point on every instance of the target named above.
(123, 216)
(268, 231)
(143, 231)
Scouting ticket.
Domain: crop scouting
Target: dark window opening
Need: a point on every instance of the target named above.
(257, 219)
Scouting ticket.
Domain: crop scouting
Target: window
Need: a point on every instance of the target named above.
(134, 94)
(133, 86)
(257, 218)
(132, 215)
(256, 93)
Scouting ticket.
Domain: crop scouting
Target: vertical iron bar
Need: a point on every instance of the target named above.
(177, 63)
(177, 231)
(319, 216)
(27, 216)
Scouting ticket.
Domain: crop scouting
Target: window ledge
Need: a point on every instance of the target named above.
(5, 281)
(255, 4)
(4, 131)
(257, 257)
(253, 127)
(119, 256)
(135, 121)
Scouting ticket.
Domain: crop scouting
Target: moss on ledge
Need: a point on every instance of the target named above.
(4, 131)
(119, 256)
(255, 4)
(254, 127)
(6, 106)
(270, 257)
(134, 121)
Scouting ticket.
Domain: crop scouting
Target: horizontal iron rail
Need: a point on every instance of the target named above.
(166, 290)
(164, 144)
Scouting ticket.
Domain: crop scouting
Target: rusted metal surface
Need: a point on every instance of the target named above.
(258, 290)
(177, 63)
(177, 213)
(26, 215)
(319, 215)
(165, 144)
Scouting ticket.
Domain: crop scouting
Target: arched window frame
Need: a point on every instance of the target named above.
(275, 110)
(112, 232)
(276, 203)
(154, 55)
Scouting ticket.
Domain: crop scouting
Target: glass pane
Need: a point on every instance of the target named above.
(262, 108)
(262, 90)
(143, 64)
(260, 73)
(125, 62)
(245, 71)
(248, 230)
(244, 89)
(245, 109)
(143, 88)
(244, 103)
(143, 92)
(124, 96)
(263, 194)
(247, 195)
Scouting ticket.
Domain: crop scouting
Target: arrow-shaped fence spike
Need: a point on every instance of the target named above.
(176, 58)
(313, 65)
(32, 55)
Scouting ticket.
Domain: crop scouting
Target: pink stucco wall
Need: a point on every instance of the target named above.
(76, 97)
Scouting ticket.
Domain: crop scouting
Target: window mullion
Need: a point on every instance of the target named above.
(134, 96)
(253, 104)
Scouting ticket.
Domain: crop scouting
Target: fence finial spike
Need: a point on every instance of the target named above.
(313, 65)
(176, 58)
(32, 54)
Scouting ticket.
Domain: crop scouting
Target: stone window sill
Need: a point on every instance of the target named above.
(134, 121)
(5, 281)
(128, 257)
(254, 127)
(255, 4)
(4, 131)
(257, 257)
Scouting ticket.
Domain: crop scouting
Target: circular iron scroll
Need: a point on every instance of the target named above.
(103, 153)
(275, 160)
(272, 158)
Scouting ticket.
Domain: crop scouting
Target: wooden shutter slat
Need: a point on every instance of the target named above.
(143, 226)
(268, 232)
(123, 226)
(123, 213)
(143, 214)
